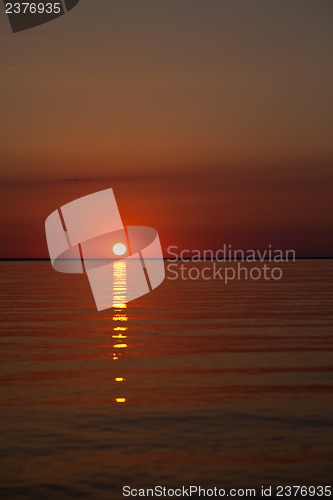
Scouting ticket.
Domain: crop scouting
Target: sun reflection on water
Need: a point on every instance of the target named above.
(119, 316)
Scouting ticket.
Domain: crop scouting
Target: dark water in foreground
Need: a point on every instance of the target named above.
(227, 386)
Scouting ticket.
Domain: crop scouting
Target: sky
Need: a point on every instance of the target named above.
(212, 120)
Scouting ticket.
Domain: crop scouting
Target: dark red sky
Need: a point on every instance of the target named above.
(211, 120)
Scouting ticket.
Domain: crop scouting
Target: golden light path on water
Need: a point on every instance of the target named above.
(120, 319)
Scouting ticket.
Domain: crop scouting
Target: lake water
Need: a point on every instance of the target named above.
(224, 385)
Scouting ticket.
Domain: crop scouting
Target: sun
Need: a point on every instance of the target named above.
(119, 249)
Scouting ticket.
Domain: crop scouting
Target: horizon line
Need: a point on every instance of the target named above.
(44, 259)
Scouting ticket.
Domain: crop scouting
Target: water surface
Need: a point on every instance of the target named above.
(224, 385)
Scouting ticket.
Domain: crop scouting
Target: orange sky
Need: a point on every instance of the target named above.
(212, 122)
